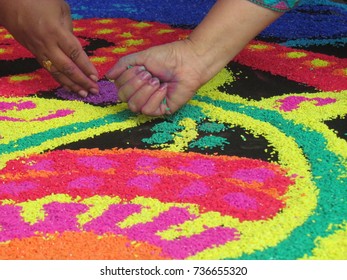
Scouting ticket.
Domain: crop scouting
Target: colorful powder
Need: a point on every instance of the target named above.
(176, 191)
(108, 94)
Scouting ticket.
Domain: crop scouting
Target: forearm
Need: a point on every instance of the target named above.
(226, 30)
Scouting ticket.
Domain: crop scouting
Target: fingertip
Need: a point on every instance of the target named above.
(94, 91)
(66, 88)
(115, 71)
(163, 87)
(94, 78)
(83, 93)
(140, 68)
(109, 75)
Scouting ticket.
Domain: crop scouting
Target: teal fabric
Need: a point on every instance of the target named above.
(277, 5)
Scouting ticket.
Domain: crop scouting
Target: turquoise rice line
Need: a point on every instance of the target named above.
(332, 186)
(37, 139)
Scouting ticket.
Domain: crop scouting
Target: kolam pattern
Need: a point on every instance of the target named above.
(172, 187)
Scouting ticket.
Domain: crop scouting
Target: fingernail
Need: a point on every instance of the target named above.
(140, 69)
(154, 82)
(163, 86)
(94, 91)
(94, 78)
(83, 93)
(145, 75)
(168, 111)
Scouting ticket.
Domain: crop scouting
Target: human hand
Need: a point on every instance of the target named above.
(45, 28)
(183, 66)
(171, 73)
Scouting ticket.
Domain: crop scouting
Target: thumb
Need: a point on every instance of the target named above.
(124, 64)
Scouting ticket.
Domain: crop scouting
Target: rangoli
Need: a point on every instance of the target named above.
(253, 167)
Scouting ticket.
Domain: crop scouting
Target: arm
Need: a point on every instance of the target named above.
(45, 28)
(226, 30)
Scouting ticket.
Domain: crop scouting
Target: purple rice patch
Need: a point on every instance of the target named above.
(108, 94)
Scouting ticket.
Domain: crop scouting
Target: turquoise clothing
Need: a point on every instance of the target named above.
(277, 5)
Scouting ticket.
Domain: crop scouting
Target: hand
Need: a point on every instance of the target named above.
(45, 28)
(183, 66)
(172, 71)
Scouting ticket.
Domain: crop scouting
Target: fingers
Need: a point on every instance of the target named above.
(122, 65)
(71, 66)
(127, 75)
(73, 49)
(155, 106)
(149, 99)
(136, 85)
(139, 99)
(143, 93)
(126, 91)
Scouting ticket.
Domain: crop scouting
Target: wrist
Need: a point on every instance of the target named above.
(211, 56)
(225, 31)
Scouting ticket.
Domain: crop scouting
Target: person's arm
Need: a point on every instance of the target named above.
(184, 66)
(44, 27)
(226, 30)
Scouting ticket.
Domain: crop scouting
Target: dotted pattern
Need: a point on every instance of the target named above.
(321, 71)
(168, 202)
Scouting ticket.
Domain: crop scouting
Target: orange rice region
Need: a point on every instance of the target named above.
(79, 246)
